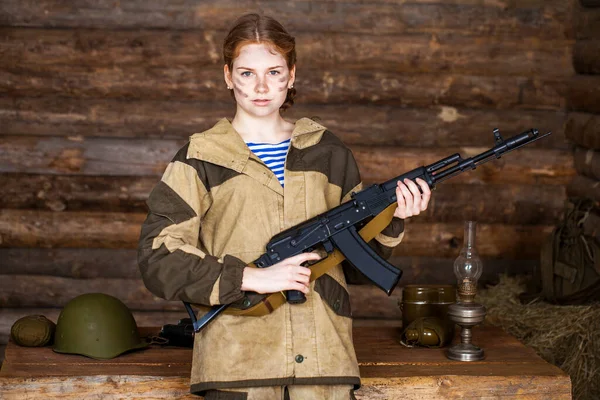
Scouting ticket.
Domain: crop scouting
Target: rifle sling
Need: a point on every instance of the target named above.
(275, 300)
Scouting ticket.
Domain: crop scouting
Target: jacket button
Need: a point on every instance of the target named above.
(299, 358)
(246, 302)
(336, 305)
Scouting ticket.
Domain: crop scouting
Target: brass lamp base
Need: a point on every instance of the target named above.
(466, 315)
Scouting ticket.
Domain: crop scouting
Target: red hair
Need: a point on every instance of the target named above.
(254, 28)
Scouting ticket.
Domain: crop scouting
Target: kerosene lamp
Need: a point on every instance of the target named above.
(465, 312)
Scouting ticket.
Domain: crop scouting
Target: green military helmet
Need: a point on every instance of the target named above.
(98, 326)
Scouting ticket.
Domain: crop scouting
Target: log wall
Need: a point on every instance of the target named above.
(95, 98)
(583, 126)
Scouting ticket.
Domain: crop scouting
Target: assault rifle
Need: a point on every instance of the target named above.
(339, 231)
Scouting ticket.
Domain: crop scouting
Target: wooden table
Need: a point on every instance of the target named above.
(388, 370)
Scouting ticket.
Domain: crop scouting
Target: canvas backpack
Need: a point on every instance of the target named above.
(570, 258)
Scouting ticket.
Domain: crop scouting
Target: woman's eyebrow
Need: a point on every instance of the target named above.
(251, 69)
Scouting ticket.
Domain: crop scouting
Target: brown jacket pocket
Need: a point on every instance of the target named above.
(334, 295)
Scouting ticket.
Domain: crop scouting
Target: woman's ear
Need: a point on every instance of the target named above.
(227, 77)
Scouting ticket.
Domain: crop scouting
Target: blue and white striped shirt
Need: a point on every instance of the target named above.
(273, 155)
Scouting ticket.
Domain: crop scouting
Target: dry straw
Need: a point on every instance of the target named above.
(566, 336)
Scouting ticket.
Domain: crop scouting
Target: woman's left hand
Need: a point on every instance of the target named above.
(411, 201)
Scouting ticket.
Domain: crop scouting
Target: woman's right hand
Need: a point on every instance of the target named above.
(288, 274)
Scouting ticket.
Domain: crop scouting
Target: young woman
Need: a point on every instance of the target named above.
(220, 200)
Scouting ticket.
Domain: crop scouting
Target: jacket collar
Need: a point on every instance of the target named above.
(223, 146)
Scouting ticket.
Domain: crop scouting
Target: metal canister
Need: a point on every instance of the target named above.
(427, 302)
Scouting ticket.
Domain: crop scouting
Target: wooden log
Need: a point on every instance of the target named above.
(584, 94)
(439, 53)
(586, 23)
(121, 157)
(87, 263)
(441, 126)
(411, 53)
(16, 292)
(489, 18)
(49, 291)
(314, 86)
(590, 3)
(539, 19)
(493, 240)
(74, 263)
(530, 167)
(586, 56)
(497, 204)
(26, 228)
(583, 129)
(75, 193)
(504, 203)
(587, 162)
(582, 186)
(367, 301)
(423, 270)
(76, 155)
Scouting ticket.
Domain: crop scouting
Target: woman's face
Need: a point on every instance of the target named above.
(260, 79)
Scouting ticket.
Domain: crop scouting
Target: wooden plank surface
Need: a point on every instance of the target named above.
(441, 126)
(502, 203)
(582, 186)
(409, 388)
(28, 228)
(367, 301)
(545, 19)
(386, 368)
(584, 94)
(93, 50)
(583, 129)
(91, 263)
(76, 193)
(375, 347)
(586, 23)
(321, 86)
(526, 166)
(587, 162)
(122, 157)
(590, 3)
(586, 56)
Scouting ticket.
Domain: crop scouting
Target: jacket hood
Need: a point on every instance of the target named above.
(222, 145)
